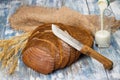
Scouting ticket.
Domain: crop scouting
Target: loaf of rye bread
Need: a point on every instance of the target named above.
(44, 52)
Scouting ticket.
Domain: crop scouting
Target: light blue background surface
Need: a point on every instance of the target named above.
(84, 69)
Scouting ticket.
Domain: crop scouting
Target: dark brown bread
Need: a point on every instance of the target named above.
(72, 56)
(44, 52)
(38, 60)
(65, 51)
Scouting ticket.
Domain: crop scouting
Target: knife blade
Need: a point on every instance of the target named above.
(66, 37)
(63, 35)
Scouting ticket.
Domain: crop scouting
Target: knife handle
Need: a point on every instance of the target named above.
(108, 64)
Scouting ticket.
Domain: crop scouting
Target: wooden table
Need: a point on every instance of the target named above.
(85, 68)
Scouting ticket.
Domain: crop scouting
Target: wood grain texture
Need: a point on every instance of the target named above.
(85, 68)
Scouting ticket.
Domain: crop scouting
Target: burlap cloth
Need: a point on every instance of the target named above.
(27, 18)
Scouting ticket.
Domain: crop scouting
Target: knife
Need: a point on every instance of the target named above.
(63, 35)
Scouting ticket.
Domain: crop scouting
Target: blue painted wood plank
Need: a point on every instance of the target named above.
(85, 68)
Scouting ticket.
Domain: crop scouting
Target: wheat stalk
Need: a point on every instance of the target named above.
(9, 51)
(13, 66)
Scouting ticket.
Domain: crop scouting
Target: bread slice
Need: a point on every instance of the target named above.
(44, 52)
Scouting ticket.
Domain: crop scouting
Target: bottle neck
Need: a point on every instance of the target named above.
(108, 2)
(104, 1)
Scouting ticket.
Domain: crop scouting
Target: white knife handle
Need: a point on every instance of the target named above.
(108, 64)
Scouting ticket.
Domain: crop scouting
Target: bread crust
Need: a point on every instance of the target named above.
(55, 53)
